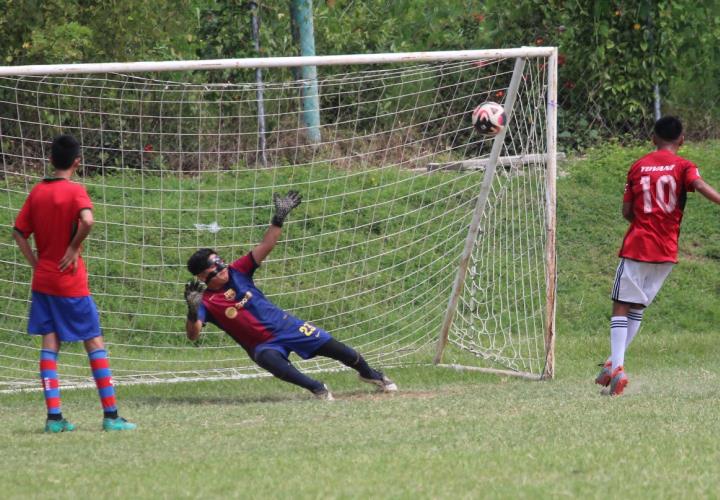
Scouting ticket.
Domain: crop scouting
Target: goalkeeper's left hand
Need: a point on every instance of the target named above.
(284, 205)
(193, 296)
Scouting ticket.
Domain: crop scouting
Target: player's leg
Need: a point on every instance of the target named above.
(634, 320)
(100, 366)
(351, 358)
(40, 322)
(635, 317)
(51, 385)
(278, 364)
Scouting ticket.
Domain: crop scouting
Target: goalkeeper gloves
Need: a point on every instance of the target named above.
(284, 205)
(193, 296)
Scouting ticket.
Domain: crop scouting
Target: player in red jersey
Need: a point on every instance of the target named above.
(654, 200)
(58, 214)
(227, 297)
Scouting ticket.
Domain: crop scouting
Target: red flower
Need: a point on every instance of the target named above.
(478, 17)
(499, 93)
(539, 40)
(148, 148)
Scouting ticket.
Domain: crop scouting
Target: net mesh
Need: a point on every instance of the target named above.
(174, 163)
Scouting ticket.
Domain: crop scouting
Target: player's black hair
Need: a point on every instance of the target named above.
(65, 148)
(199, 261)
(668, 128)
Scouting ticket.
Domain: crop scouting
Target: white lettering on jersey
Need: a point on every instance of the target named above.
(657, 168)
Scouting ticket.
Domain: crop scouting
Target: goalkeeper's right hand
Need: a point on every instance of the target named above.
(284, 205)
(193, 296)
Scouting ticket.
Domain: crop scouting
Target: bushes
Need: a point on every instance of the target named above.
(612, 53)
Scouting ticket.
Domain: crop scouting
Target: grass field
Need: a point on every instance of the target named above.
(446, 434)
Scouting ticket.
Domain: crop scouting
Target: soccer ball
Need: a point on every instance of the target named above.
(489, 118)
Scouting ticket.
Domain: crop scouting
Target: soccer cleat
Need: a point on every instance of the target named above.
(55, 426)
(605, 374)
(618, 382)
(383, 383)
(117, 424)
(324, 394)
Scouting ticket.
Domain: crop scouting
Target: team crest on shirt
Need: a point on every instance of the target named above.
(230, 294)
(232, 311)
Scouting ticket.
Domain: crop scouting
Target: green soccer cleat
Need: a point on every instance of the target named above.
(55, 426)
(118, 424)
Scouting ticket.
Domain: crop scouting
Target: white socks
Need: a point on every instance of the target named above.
(632, 325)
(634, 317)
(618, 339)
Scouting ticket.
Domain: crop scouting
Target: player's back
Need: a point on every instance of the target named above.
(51, 214)
(657, 186)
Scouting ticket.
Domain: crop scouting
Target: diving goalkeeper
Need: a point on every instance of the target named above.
(226, 296)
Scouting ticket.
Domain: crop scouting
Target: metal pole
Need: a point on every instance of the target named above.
(550, 218)
(259, 81)
(474, 229)
(302, 15)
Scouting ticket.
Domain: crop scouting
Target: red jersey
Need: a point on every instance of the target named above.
(51, 213)
(657, 186)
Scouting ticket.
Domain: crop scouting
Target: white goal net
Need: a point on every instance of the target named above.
(417, 238)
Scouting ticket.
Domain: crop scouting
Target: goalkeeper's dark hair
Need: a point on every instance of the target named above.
(65, 149)
(668, 128)
(199, 261)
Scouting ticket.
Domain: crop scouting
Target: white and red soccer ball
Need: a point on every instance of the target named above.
(489, 118)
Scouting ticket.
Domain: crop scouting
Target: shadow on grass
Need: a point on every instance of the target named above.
(356, 395)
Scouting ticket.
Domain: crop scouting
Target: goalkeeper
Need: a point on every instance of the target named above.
(226, 296)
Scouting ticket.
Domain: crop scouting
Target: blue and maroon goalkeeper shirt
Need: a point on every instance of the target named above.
(244, 313)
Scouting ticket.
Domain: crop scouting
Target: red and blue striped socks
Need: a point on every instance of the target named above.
(51, 384)
(100, 366)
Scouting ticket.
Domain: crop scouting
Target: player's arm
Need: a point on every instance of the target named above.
(706, 190)
(193, 329)
(25, 248)
(283, 206)
(85, 222)
(627, 210)
(193, 297)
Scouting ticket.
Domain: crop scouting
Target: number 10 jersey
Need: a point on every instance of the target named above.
(657, 186)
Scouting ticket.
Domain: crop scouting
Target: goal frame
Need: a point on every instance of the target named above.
(519, 54)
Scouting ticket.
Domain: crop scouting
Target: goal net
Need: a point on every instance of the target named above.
(417, 239)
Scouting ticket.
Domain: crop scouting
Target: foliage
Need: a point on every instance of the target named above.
(612, 53)
(67, 31)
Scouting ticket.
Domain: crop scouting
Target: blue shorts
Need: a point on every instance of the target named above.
(73, 319)
(304, 341)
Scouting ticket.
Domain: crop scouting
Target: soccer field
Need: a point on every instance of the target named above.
(446, 434)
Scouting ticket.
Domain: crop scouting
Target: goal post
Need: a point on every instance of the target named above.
(397, 249)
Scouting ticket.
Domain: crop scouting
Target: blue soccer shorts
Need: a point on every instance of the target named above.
(73, 319)
(304, 339)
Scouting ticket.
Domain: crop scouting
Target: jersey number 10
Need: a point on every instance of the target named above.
(665, 198)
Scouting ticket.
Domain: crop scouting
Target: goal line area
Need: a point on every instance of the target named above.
(418, 240)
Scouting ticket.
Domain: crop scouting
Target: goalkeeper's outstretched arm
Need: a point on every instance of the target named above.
(193, 329)
(283, 206)
(193, 297)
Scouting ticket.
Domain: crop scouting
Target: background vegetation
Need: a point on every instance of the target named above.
(612, 53)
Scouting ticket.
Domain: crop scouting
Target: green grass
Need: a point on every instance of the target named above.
(447, 434)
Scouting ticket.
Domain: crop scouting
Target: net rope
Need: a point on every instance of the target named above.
(173, 163)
